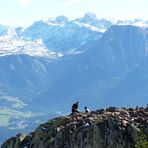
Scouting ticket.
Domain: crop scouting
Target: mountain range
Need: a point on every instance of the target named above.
(49, 65)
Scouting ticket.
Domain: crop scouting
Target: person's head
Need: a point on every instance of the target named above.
(85, 107)
(77, 102)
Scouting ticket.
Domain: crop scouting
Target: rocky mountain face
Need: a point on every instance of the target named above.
(121, 48)
(106, 68)
(103, 128)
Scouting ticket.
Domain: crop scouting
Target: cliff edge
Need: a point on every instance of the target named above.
(104, 128)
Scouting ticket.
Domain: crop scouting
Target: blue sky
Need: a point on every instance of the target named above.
(25, 12)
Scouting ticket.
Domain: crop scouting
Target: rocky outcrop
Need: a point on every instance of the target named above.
(104, 128)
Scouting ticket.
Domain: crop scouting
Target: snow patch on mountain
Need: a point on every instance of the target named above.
(9, 46)
(90, 27)
(135, 22)
(140, 24)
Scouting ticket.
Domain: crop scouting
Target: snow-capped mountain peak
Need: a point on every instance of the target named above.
(90, 16)
(91, 19)
(58, 21)
(61, 19)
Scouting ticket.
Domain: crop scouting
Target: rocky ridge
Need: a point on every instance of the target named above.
(103, 128)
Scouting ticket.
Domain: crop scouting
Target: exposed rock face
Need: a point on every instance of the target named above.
(104, 128)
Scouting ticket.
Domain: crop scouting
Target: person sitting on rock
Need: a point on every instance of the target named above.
(75, 107)
(86, 110)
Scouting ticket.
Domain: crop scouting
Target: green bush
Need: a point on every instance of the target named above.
(142, 141)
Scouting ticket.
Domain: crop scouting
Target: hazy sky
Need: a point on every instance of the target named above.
(25, 12)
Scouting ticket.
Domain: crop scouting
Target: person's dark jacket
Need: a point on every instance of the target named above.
(75, 107)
